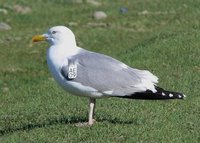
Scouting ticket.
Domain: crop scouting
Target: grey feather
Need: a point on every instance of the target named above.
(103, 73)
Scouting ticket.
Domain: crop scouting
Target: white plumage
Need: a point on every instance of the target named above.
(95, 75)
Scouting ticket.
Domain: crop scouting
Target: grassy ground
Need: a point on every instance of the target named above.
(161, 36)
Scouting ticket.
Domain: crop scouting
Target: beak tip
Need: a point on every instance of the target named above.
(38, 38)
(33, 40)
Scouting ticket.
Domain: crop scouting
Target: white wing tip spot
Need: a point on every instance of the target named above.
(163, 94)
(179, 96)
(170, 95)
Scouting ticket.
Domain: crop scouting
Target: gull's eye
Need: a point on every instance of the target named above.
(53, 32)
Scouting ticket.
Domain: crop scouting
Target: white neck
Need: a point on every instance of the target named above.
(58, 53)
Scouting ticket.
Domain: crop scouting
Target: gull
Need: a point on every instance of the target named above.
(94, 75)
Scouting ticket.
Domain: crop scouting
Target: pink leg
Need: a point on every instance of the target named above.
(92, 102)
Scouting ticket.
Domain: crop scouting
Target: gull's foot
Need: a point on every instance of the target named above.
(82, 124)
(85, 124)
(90, 123)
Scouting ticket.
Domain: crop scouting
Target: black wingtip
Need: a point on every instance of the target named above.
(161, 94)
(169, 94)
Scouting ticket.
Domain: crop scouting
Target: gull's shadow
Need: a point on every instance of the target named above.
(116, 120)
(48, 122)
(61, 120)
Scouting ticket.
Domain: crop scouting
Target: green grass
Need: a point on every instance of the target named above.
(166, 41)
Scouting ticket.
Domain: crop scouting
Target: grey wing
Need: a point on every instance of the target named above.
(104, 74)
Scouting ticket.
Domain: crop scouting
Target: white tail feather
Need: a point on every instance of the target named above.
(148, 81)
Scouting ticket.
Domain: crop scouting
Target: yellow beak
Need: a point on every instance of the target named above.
(38, 38)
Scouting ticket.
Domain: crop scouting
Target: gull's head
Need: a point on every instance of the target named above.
(57, 35)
